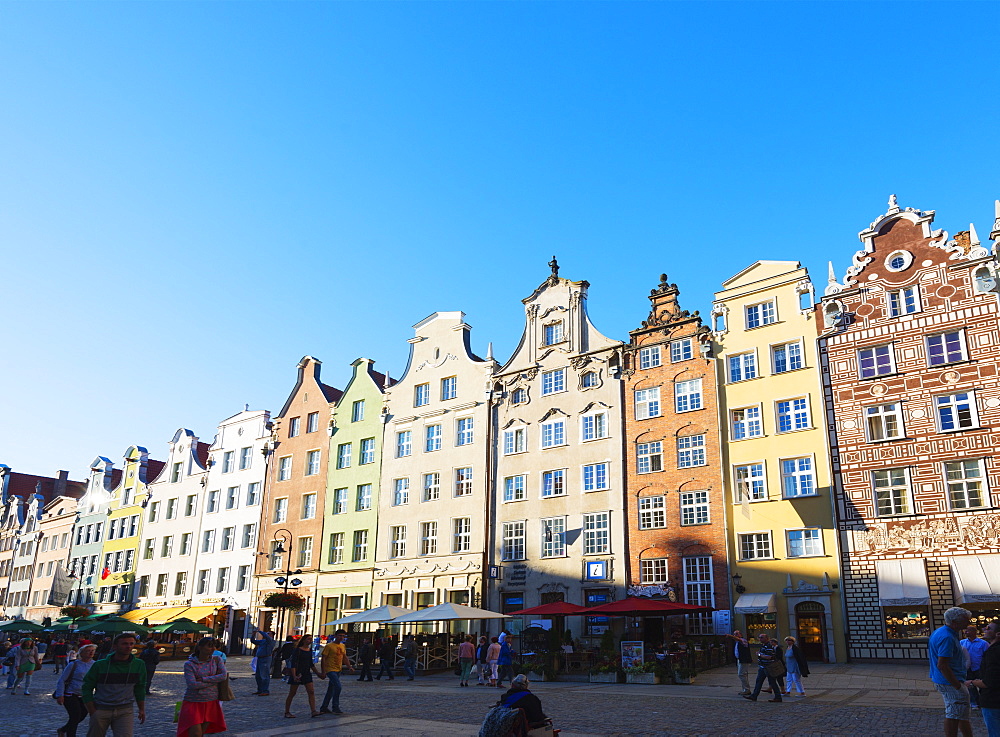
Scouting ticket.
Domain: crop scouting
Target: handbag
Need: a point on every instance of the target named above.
(775, 669)
(226, 691)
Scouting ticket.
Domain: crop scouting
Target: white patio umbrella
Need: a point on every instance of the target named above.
(379, 614)
(447, 612)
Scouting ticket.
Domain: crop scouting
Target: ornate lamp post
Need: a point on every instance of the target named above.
(283, 538)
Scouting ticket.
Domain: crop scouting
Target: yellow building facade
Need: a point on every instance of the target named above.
(782, 537)
(123, 530)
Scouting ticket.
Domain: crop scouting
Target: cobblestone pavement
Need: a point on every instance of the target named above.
(857, 700)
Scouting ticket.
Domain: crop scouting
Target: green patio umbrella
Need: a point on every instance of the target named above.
(113, 626)
(181, 626)
(60, 625)
(21, 627)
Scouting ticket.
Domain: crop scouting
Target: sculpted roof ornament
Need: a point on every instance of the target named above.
(995, 233)
(666, 309)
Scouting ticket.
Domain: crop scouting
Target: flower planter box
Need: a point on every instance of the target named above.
(536, 676)
(650, 679)
(604, 678)
(683, 680)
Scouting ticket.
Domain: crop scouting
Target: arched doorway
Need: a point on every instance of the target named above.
(809, 624)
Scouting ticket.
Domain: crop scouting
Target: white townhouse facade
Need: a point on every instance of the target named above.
(170, 532)
(25, 554)
(434, 499)
(231, 525)
(88, 532)
(558, 517)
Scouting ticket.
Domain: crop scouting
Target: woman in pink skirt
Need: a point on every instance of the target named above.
(201, 713)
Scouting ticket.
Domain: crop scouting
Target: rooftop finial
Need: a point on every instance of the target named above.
(893, 205)
(554, 265)
(489, 351)
(831, 276)
(973, 236)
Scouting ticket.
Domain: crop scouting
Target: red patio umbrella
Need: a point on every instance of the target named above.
(552, 609)
(635, 606)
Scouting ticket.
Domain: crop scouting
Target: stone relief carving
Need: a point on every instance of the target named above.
(978, 531)
(436, 364)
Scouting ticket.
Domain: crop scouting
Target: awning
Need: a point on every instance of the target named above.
(757, 604)
(902, 582)
(137, 615)
(198, 613)
(976, 578)
(161, 616)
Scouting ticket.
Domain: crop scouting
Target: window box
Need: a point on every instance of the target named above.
(605, 678)
(649, 679)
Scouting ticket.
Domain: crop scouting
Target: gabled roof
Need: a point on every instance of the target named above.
(201, 453)
(760, 270)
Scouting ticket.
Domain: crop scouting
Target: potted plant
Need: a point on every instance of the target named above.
(683, 674)
(74, 612)
(605, 671)
(282, 600)
(642, 673)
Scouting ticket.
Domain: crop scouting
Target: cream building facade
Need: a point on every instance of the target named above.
(784, 558)
(559, 514)
(171, 532)
(224, 574)
(433, 501)
(51, 583)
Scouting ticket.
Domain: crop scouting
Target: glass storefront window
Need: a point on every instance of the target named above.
(761, 623)
(983, 614)
(906, 623)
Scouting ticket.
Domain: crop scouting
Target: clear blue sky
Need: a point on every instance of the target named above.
(193, 196)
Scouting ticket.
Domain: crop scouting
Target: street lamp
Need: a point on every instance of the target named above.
(283, 537)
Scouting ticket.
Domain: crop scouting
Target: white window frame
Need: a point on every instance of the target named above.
(594, 426)
(284, 468)
(461, 534)
(404, 443)
(433, 437)
(764, 316)
(879, 417)
(515, 440)
(681, 349)
(364, 498)
(515, 488)
(788, 347)
(895, 301)
(553, 382)
(358, 411)
(954, 406)
(553, 537)
(595, 476)
(513, 540)
(421, 395)
(649, 357)
(691, 450)
(313, 460)
(688, 395)
(804, 543)
(449, 388)
(400, 491)
(465, 433)
(652, 512)
(947, 361)
(597, 533)
(875, 354)
(741, 366)
(647, 403)
(431, 487)
(695, 508)
(309, 505)
(654, 570)
(463, 477)
(756, 481)
(761, 536)
(798, 415)
(741, 429)
(341, 497)
(796, 475)
(649, 457)
(961, 484)
(428, 537)
(553, 433)
(554, 479)
(367, 451)
(891, 475)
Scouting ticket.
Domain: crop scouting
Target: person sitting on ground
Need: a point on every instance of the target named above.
(519, 697)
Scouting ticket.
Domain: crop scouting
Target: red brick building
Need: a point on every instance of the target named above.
(674, 495)
(294, 495)
(909, 345)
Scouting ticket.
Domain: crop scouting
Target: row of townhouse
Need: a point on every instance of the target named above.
(822, 468)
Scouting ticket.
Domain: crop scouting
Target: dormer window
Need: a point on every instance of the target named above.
(176, 472)
(553, 333)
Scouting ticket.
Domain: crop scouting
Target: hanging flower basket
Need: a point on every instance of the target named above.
(280, 600)
(75, 612)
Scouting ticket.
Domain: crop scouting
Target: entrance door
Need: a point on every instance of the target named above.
(809, 618)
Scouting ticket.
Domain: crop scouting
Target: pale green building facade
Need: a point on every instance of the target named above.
(351, 510)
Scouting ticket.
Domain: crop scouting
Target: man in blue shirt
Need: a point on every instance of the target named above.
(948, 671)
(263, 651)
(975, 646)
